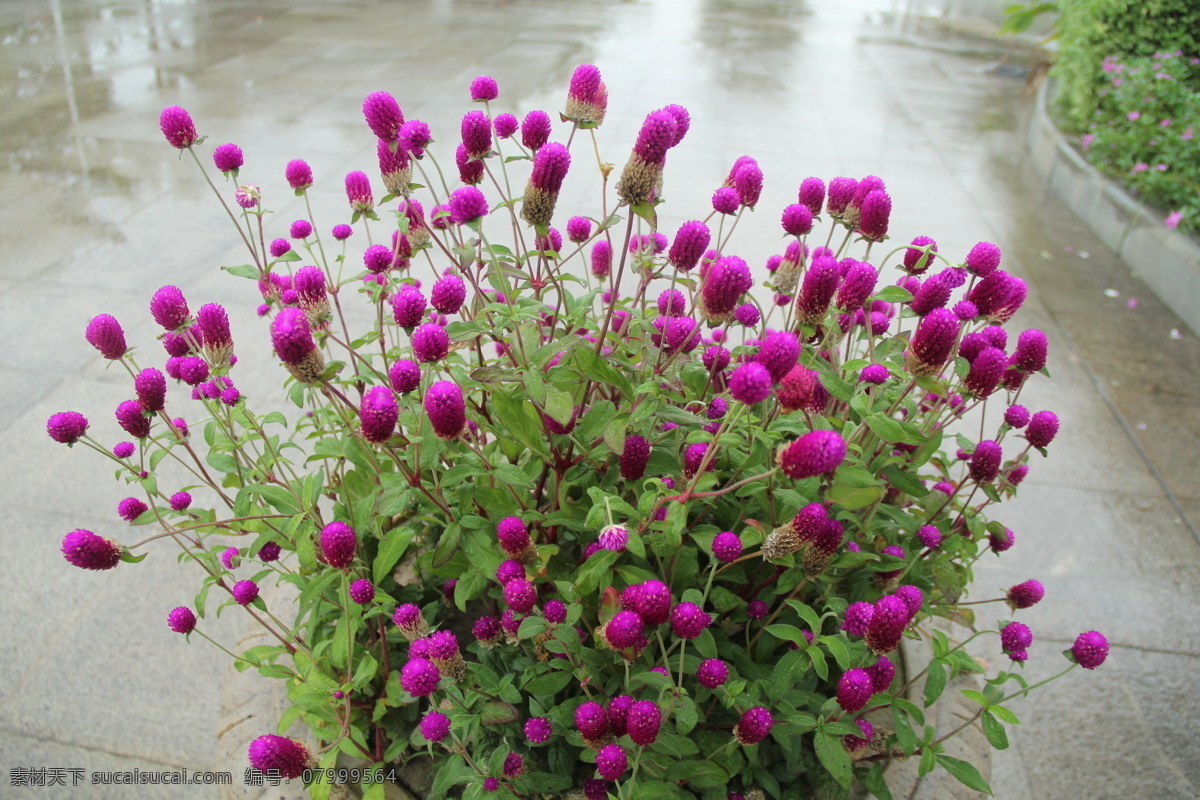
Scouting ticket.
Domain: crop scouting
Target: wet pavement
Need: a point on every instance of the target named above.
(97, 213)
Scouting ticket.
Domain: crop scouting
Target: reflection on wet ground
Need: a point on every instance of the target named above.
(98, 213)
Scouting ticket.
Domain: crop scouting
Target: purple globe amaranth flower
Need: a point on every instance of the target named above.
(535, 129)
(727, 280)
(228, 158)
(378, 259)
(683, 121)
(592, 720)
(653, 602)
(817, 290)
(801, 388)
(797, 219)
(404, 375)
(600, 260)
(213, 323)
(538, 730)
(875, 374)
(855, 688)
(618, 714)
(514, 765)
(725, 200)
(748, 182)
(300, 229)
(181, 620)
(86, 550)
(1090, 649)
(550, 165)
(430, 343)
(642, 174)
(435, 726)
(993, 294)
(644, 722)
(244, 592)
(177, 126)
(408, 306)
(358, 191)
(693, 457)
(520, 595)
(912, 596)
(933, 293)
(467, 204)
(505, 125)
(718, 407)
(858, 618)
(120, 449)
(634, 457)
(169, 308)
(750, 383)
(378, 414)
(689, 620)
(712, 673)
(414, 136)
(929, 536)
(754, 726)
(611, 762)
(727, 546)
(105, 334)
(555, 611)
(131, 508)
(1042, 428)
(338, 544)
(671, 303)
(446, 409)
(68, 427)
(484, 89)
(132, 419)
(857, 285)
(887, 625)
(291, 337)
(1016, 417)
(856, 744)
(230, 557)
(513, 535)
(509, 570)
(614, 537)
(476, 131)
(986, 371)
(689, 245)
(874, 214)
(916, 260)
(747, 314)
(624, 630)
(448, 294)
(932, 342)
(756, 609)
(965, 310)
(579, 229)
(383, 115)
(882, 673)
(419, 677)
(192, 370)
(362, 591)
(840, 193)
(985, 462)
(1015, 636)
(779, 353)
(1025, 595)
(814, 453)
(279, 755)
(587, 96)
(1031, 350)
(983, 259)
(298, 174)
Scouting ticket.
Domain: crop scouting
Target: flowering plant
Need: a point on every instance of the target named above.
(1144, 131)
(589, 516)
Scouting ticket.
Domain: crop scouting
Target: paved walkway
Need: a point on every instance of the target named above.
(97, 214)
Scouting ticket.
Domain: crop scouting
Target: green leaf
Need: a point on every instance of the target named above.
(851, 498)
(873, 782)
(590, 365)
(614, 434)
(497, 712)
(834, 757)
(893, 294)
(550, 683)
(978, 697)
(513, 476)
(837, 649)
(1005, 715)
(518, 419)
(395, 542)
(787, 633)
(891, 430)
(994, 731)
(935, 682)
(966, 773)
(686, 715)
(595, 568)
(559, 405)
(785, 673)
(244, 271)
(904, 480)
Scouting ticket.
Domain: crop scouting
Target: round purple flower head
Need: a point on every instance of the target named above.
(476, 131)
(435, 726)
(812, 194)
(298, 174)
(873, 215)
(131, 418)
(467, 204)
(754, 726)
(932, 342)
(614, 537)
(748, 182)
(448, 294)
(1015, 637)
(727, 546)
(814, 453)
(797, 219)
(725, 200)
(778, 353)
(131, 508)
(1090, 649)
(291, 336)
(858, 618)
(555, 611)
(419, 677)
(644, 721)
(67, 427)
(378, 414)
(887, 625)
(230, 557)
(1002, 541)
(1016, 417)
(342, 232)
(1025, 595)
(105, 334)
(178, 128)
(430, 342)
(86, 550)
(841, 192)
(591, 720)
(538, 730)
(358, 191)
(984, 259)
(915, 259)
(514, 765)
(228, 158)
(120, 449)
(446, 408)
(245, 592)
(611, 762)
(169, 308)
(408, 306)
(180, 501)
(882, 673)
(484, 89)
(750, 383)
(634, 457)
(338, 544)
(535, 130)
(624, 630)
(601, 258)
(414, 136)
(520, 595)
(986, 371)
(689, 244)
(279, 247)
(712, 673)
(855, 688)
(505, 125)
(693, 457)
(181, 620)
(688, 620)
(278, 754)
(1030, 352)
(985, 461)
(383, 115)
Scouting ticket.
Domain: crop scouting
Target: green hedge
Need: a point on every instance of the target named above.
(1090, 30)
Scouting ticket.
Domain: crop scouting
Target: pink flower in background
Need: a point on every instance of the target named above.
(1141, 166)
(1187, 133)
(1133, 116)
(1087, 140)
(1161, 167)
(1165, 123)
(1173, 219)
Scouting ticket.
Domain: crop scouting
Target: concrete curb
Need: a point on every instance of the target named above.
(1168, 261)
